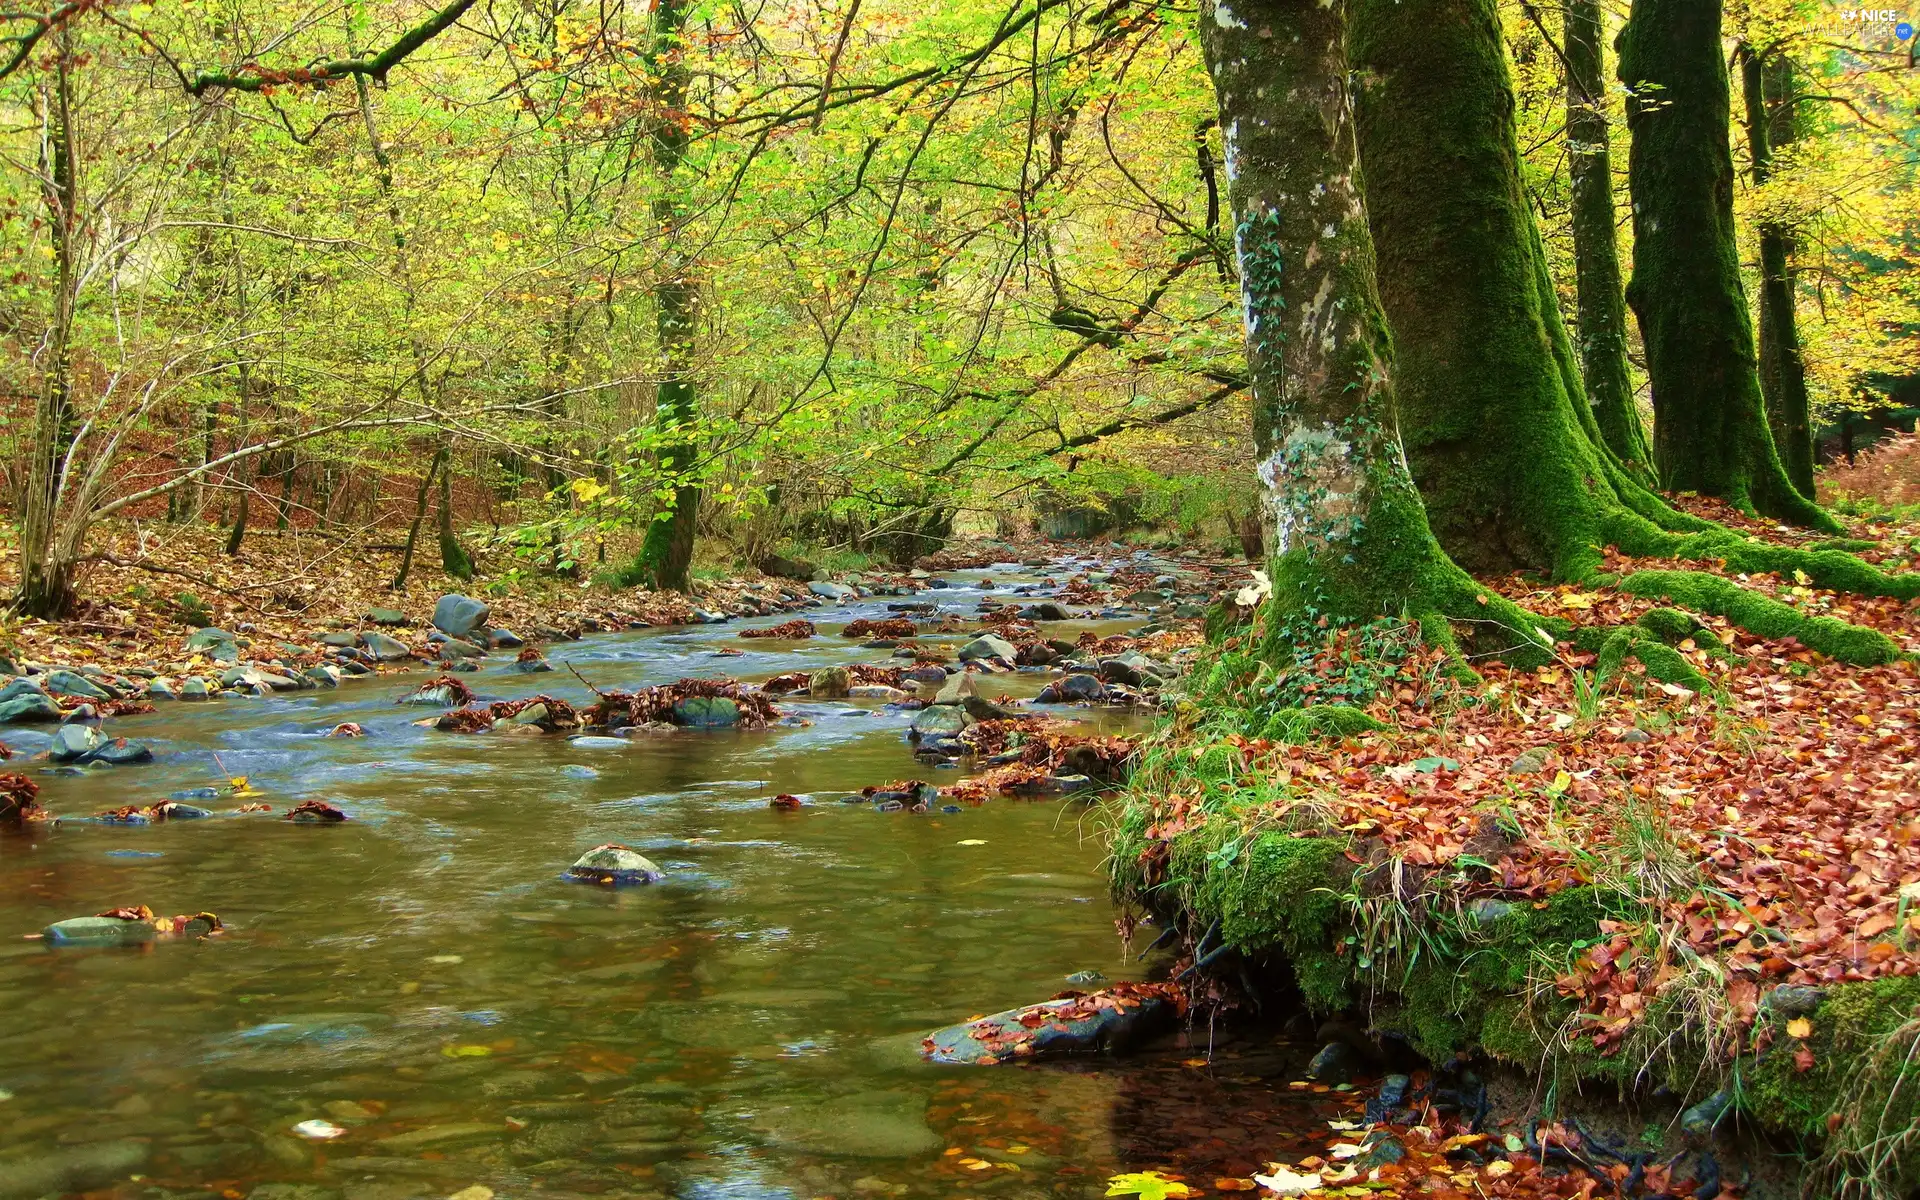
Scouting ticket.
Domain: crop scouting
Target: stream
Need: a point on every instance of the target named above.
(422, 978)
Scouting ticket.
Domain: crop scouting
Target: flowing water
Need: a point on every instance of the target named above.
(424, 979)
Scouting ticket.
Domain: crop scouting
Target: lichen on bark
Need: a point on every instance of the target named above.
(1348, 526)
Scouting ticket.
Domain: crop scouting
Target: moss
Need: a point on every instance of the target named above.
(1277, 891)
(1671, 625)
(1764, 617)
(1316, 721)
(1855, 1019)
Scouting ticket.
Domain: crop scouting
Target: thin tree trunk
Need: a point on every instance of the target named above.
(454, 559)
(666, 555)
(1710, 431)
(419, 518)
(46, 577)
(1767, 87)
(1596, 254)
(282, 519)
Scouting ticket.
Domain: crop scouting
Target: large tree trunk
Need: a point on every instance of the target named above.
(1596, 253)
(1767, 86)
(1343, 519)
(46, 576)
(1501, 440)
(1710, 430)
(666, 556)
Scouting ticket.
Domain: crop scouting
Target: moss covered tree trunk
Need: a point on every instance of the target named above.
(1498, 432)
(1343, 521)
(1767, 87)
(1710, 430)
(666, 556)
(1596, 254)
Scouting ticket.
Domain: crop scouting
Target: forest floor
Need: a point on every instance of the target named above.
(1754, 833)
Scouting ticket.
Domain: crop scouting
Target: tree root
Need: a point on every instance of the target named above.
(1827, 567)
(1764, 617)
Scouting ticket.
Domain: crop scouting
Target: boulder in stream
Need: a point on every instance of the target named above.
(384, 648)
(830, 683)
(83, 745)
(1105, 1021)
(460, 616)
(989, 646)
(831, 591)
(706, 712)
(613, 865)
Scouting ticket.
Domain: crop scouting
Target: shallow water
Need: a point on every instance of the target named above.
(423, 977)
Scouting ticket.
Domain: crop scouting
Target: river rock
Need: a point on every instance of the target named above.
(338, 639)
(433, 695)
(988, 646)
(706, 712)
(62, 1169)
(1060, 1031)
(384, 648)
(161, 688)
(460, 616)
(1337, 1062)
(439, 1137)
(73, 743)
(830, 683)
(532, 666)
(453, 648)
(387, 617)
(1046, 610)
(928, 673)
(69, 683)
(322, 676)
(613, 865)
(195, 689)
(24, 700)
(878, 691)
(1133, 669)
(1078, 688)
(831, 591)
(552, 1139)
(956, 688)
(938, 720)
(504, 639)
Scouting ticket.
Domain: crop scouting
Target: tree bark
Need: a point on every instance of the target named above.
(1500, 438)
(1767, 87)
(1343, 520)
(1710, 430)
(666, 556)
(1602, 323)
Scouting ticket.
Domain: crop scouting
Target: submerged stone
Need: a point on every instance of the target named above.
(613, 865)
(61, 1169)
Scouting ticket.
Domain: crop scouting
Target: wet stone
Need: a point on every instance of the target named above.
(70, 1168)
(706, 712)
(613, 865)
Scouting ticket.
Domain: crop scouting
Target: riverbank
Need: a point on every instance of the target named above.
(1680, 859)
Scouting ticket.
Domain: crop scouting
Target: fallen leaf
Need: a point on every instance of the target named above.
(1800, 1027)
(1285, 1183)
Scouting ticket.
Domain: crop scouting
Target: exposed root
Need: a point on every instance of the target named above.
(1764, 617)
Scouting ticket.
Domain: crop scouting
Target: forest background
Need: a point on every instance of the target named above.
(847, 277)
